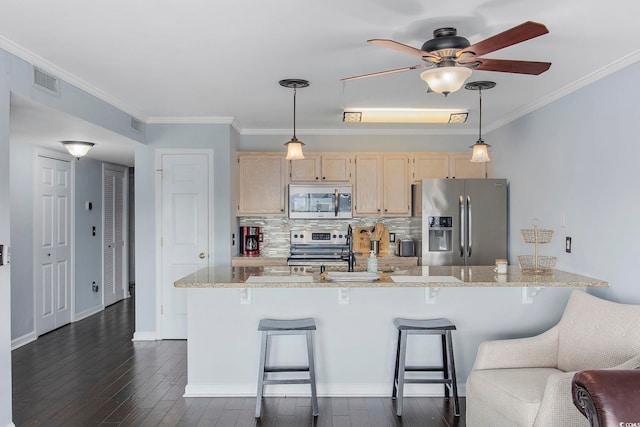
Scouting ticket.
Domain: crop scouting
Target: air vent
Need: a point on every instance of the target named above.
(45, 81)
(136, 124)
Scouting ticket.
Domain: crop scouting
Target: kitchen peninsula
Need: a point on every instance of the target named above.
(355, 340)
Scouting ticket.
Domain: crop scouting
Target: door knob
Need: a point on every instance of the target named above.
(202, 255)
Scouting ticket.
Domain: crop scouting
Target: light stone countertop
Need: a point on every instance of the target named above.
(475, 276)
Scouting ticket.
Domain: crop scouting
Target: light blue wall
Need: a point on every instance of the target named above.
(22, 158)
(166, 136)
(5, 271)
(88, 248)
(579, 156)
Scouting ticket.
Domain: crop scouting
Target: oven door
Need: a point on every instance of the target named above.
(319, 201)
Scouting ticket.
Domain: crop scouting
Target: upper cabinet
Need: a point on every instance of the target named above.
(261, 184)
(382, 185)
(448, 165)
(326, 167)
(461, 167)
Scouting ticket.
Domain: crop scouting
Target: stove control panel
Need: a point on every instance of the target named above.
(333, 237)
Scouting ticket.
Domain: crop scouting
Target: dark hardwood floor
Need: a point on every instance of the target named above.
(90, 373)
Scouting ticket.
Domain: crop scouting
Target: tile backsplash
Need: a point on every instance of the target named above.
(275, 231)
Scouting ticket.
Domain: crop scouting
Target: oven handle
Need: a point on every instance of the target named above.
(336, 196)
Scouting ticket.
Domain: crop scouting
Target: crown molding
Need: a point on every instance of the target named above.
(35, 60)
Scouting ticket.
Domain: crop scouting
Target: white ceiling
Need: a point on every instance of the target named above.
(218, 61)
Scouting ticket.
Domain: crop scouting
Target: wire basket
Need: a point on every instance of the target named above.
(543, 236)
(544, 264)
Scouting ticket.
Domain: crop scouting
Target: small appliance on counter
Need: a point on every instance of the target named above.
(249, 240)
(405, 247)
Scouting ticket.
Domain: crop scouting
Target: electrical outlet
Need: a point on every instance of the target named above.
(567, 246)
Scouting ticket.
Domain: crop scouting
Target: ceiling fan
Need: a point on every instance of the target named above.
(451, 58)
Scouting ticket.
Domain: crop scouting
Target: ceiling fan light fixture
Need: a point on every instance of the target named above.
(445, 80)
(294, 147)
(77, 148)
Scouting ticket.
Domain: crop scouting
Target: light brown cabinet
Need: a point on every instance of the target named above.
(447, 165)
(316, 167)
(261, 184)
(382, 185)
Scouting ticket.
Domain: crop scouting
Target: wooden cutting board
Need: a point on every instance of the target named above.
(362, 241)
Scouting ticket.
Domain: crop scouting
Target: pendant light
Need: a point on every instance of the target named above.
(480, 153)
(294, 147)
(77, 148)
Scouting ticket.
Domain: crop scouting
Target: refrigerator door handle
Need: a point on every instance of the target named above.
(470, 224)
(461, 222)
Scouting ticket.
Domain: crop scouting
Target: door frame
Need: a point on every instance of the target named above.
(158, 218)
(42, 152)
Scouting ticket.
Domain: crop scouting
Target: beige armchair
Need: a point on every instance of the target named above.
(527, 382)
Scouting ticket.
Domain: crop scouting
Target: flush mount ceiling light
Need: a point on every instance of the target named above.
(445, 79)
(403, 115)
(480, 153)
(77, 148)
(294, 147)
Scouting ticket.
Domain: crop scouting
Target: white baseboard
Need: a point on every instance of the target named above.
(89, 312)
(324, 390)
(144, 336)
(23, 340)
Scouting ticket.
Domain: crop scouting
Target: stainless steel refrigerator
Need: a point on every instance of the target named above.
(464, 221)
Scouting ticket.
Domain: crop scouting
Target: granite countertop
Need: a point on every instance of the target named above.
(436, 277)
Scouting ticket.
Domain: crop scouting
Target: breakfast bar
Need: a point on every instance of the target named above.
(354, 312)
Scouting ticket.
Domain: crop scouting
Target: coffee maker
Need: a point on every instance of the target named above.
(249, 240)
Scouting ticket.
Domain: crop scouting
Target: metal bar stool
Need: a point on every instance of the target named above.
(442, 327)
(270, 327)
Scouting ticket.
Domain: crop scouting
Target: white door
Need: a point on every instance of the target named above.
(185, 232)
(113, 234)
(53, 244)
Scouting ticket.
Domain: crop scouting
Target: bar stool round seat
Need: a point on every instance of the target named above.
(269, 327)
(442, 327)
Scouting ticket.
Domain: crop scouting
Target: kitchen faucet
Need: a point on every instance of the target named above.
(351, 258)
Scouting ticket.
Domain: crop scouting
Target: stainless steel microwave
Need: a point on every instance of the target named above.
(320, 201)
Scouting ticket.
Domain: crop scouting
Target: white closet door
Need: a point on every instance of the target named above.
(53, 244)
(113, 235)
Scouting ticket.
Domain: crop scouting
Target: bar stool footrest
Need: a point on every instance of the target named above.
(424, 369)
(286, 368)
(288, 381)
(427, 381)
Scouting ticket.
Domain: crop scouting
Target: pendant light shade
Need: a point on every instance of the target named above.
(294, 147)
(445, 80)
(480, 148)
(77, 148)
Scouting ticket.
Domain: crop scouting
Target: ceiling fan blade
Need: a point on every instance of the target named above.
(391, 44)
(379, 73)
(510, 66)
(521, 33)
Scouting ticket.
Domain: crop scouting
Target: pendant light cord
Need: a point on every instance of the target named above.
(294, 113)
(480, 122)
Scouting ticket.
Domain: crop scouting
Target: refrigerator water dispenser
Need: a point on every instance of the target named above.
(440, 233)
